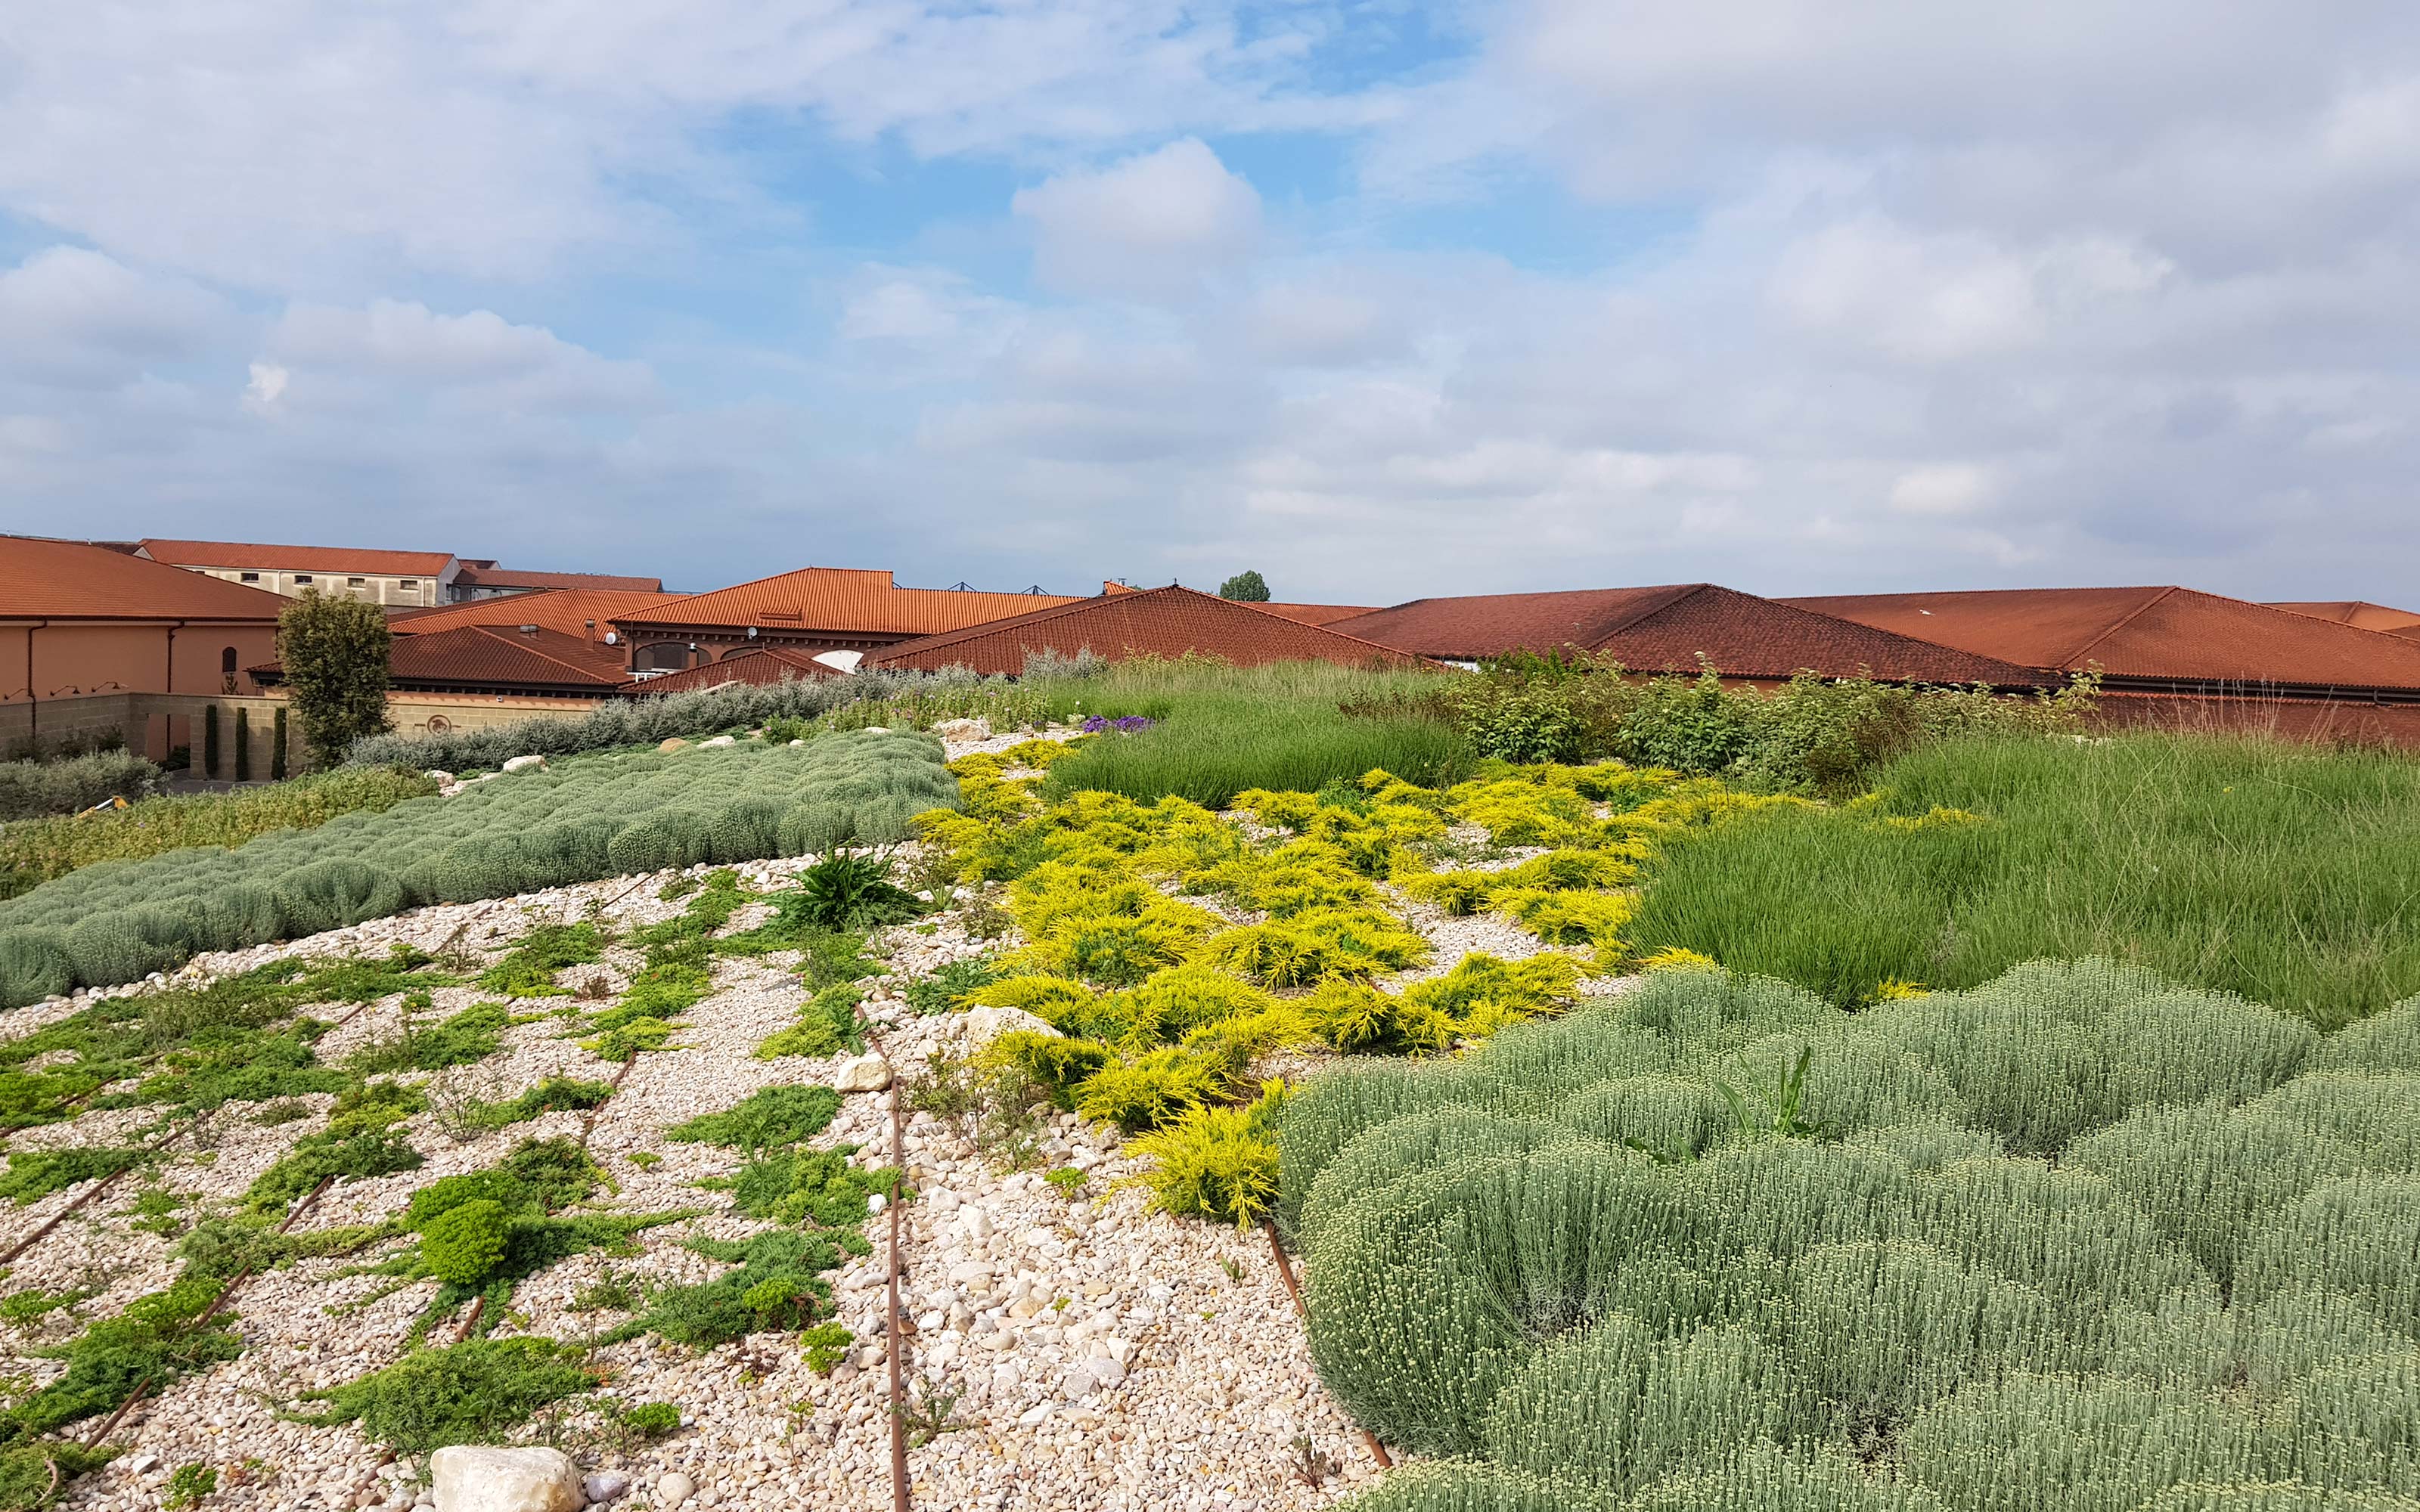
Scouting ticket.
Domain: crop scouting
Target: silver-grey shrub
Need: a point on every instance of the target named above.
(583, 819)
(2074, 1241)
(643, 721)
(33, 788)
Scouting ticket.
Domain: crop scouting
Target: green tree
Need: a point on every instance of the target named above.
(242, 745)
(335, 654)
(1245, 587)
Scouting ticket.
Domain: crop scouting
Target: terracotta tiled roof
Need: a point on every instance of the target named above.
(1166, 622)
(252, 557)
(2358, 613)
(759, 665)
(843, 601)
(490, 576)
(492, 656)
(564, 610)
(70, 581)
(2155, 635)
(1317, 614)
(1670, 627)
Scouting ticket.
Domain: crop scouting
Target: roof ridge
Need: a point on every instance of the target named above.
(1330, 629)
(2080, 652)
(1855, 624)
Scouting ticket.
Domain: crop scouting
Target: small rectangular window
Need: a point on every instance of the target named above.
(408, 582)
(252, 577)
(302, 577)
(355, 582)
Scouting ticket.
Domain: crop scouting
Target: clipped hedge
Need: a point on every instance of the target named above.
(2074, 1241)
(586, 818)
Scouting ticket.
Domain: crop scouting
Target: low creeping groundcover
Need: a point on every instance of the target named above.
(1172, 947)
(585, 818)
(2076, 1240)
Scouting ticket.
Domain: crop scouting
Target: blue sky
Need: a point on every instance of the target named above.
(1382, 299)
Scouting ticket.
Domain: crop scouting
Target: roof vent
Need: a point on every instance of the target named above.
(528, 629)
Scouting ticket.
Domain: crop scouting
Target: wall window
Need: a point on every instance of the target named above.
(302, 577)
(408, 582)
(356, 582)
(252, 577)
(227, 669)
(662, 657)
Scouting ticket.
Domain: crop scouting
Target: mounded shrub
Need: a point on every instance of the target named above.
(666, 840)
(463, 1244)
(35, 964)
(2049, 1443)
(128, 944)
(335, 893)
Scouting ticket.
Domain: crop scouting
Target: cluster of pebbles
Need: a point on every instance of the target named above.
(1067, 1349)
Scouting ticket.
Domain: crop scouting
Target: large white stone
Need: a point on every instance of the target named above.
(862, 1074)
(523, 763)
(718, 742)
(675, 1489)
(981, 1025)
(474, 1478)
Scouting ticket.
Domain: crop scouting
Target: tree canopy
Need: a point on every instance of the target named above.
(1245, 587)
(335, 654)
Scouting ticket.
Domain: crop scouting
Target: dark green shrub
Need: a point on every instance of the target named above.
(778, 1116)
(211, 741)
(482, 1391)
(651, 1420)
(243, 745)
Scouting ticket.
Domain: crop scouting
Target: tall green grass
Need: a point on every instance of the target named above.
(2287, 874)
(1224, 728)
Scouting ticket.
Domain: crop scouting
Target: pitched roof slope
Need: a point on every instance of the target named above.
(2359, 613)
(564, 610)
(843, 600)
(2175, 635)
(1166, 622)
(488, 655)
(251, 556)
(1317, 614)
(1670, 627)
(760, 666)
(67, 579)
(488, 575)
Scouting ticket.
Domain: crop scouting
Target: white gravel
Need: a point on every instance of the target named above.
(1096, 1355)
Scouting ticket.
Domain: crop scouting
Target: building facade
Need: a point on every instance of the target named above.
(401, 579)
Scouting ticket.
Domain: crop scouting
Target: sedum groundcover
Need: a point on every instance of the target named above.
(602, 816)
(2078, 1239)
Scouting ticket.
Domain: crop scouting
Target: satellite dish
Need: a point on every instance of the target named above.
(613, 640)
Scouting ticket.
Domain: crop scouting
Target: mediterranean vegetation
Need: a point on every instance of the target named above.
(600, 816)
(1865, 1098)
(32, 789)
(2080, 1237)
(332, 653)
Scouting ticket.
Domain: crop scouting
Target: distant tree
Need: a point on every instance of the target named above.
(334, 655)
(242, 745)
(277, 746)
(1245, 587)
(210, 742)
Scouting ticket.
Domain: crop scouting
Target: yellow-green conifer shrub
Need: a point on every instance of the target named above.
(1218, 1163)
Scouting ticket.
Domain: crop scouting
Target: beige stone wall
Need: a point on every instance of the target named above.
(376, 588)
(157, 723)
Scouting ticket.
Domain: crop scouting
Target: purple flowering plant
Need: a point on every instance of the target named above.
(1125, 726)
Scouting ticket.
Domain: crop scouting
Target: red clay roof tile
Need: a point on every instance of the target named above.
(760, 666)
(494, 577)
(69, 581)
(564, 610)
(842, 601)
(1166, 622)
(251, 556)
(2359, 613)
(2162, 635)
(1669, 628)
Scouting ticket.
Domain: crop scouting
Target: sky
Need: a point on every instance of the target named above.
(1382, 299)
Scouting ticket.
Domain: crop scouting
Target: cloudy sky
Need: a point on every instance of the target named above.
(1384, 299)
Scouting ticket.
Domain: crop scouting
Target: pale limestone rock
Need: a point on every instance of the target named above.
(523, 763)
(862, 1074)
(674, 743)
(475, 1478)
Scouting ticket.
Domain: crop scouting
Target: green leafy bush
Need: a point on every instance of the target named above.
(776, 1117)
(34, 789)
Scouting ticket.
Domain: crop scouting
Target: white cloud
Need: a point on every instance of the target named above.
(478, 354)
(266, 386)
(1154, 225)
(1943, 488)
(70, 316)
